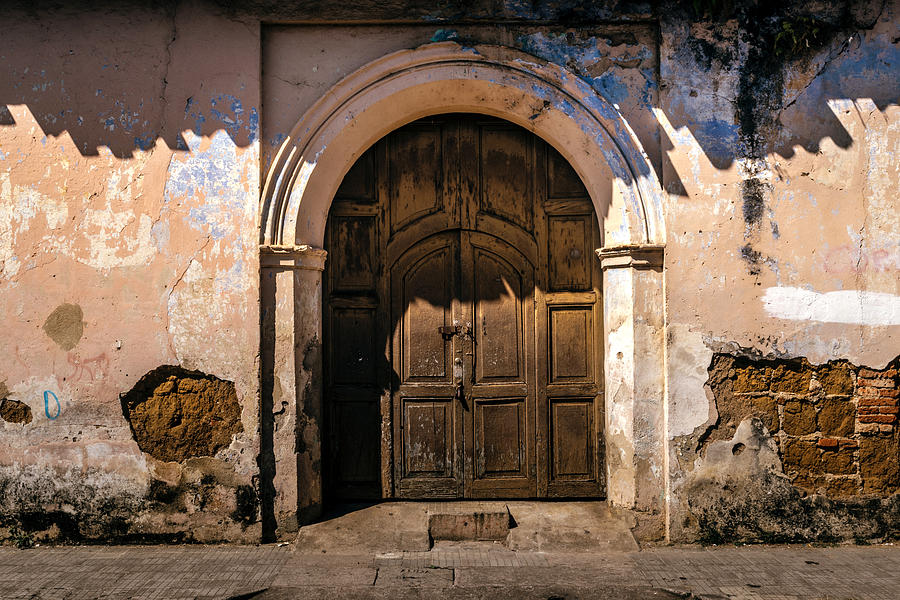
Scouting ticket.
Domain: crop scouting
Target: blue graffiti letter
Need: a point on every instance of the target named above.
(47, 395)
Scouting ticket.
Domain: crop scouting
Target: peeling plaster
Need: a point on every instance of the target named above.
(690, 401)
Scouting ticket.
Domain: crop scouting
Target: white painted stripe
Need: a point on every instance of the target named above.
(847, 306)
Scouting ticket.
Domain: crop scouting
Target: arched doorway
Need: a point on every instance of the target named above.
(302, 181)
(462, 319)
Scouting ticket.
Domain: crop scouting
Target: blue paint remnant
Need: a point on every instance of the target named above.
(221, 176)
(444, 35)
(611, 87)
(253, 124)
(718, 138)
(580, 55)
(145, 142)
(229, 111)
(47, 394)
(278, 139)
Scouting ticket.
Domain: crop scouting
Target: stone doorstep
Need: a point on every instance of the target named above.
(468, 522)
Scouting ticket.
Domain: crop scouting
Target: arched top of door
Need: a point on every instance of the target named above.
(446, 77)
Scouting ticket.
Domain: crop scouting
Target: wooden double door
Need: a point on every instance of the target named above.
(463, 320)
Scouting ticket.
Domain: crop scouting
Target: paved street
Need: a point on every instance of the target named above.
(463, 570)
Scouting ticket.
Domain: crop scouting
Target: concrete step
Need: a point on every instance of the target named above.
(468, 522)
(519, 525)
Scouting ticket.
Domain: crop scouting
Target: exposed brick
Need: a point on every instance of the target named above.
(880, 382)
(889, 393)
(799, 418)
(865, 372)
(877, 418)
(836, 417)
(875, 402)
(889, 410)
(828, 443)
(868, 428)
(885, 428)
(849, 444)
(868, 392)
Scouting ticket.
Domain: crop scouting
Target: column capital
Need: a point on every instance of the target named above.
(292, 257)
(635, 256)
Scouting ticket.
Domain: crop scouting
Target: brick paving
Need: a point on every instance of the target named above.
(221, 572)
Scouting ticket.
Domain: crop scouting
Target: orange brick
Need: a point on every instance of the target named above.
(881, 382)
(877, 418)
(870, 392)
(889, 410)
(876, 401)
(870, 373)
(828, 443)
(886, 393)
(867, 402)
(849, 444)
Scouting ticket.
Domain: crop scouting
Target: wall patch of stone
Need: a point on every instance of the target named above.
(831, 468)
(176, 414)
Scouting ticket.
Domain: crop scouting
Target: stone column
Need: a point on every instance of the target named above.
(291, 363)
(634, 326)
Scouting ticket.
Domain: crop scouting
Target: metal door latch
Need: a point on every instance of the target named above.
(461, 395)
(448, 331)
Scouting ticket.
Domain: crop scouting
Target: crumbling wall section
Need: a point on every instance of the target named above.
(129, 182)
(822, 453)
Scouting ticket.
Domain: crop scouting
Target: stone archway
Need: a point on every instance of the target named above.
(555, 105)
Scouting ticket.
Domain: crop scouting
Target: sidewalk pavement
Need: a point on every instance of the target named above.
(470, 570)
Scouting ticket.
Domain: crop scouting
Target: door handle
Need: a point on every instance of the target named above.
(461, 395)
(458, 374)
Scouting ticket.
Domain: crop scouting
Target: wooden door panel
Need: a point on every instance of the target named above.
(571, 344)
(357, 269)
(354, 358)
(499, 320)
(500, 444)
(570, 252)
(358, 432)
(562, 180)
(415, 174)
(358, 184)
(426, 300)
(428, 425)
(572, 440)
(428, 443)
(506, 169)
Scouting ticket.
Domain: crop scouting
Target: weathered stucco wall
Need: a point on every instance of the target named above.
(132, 145)
(780, 128)
(129, 180)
